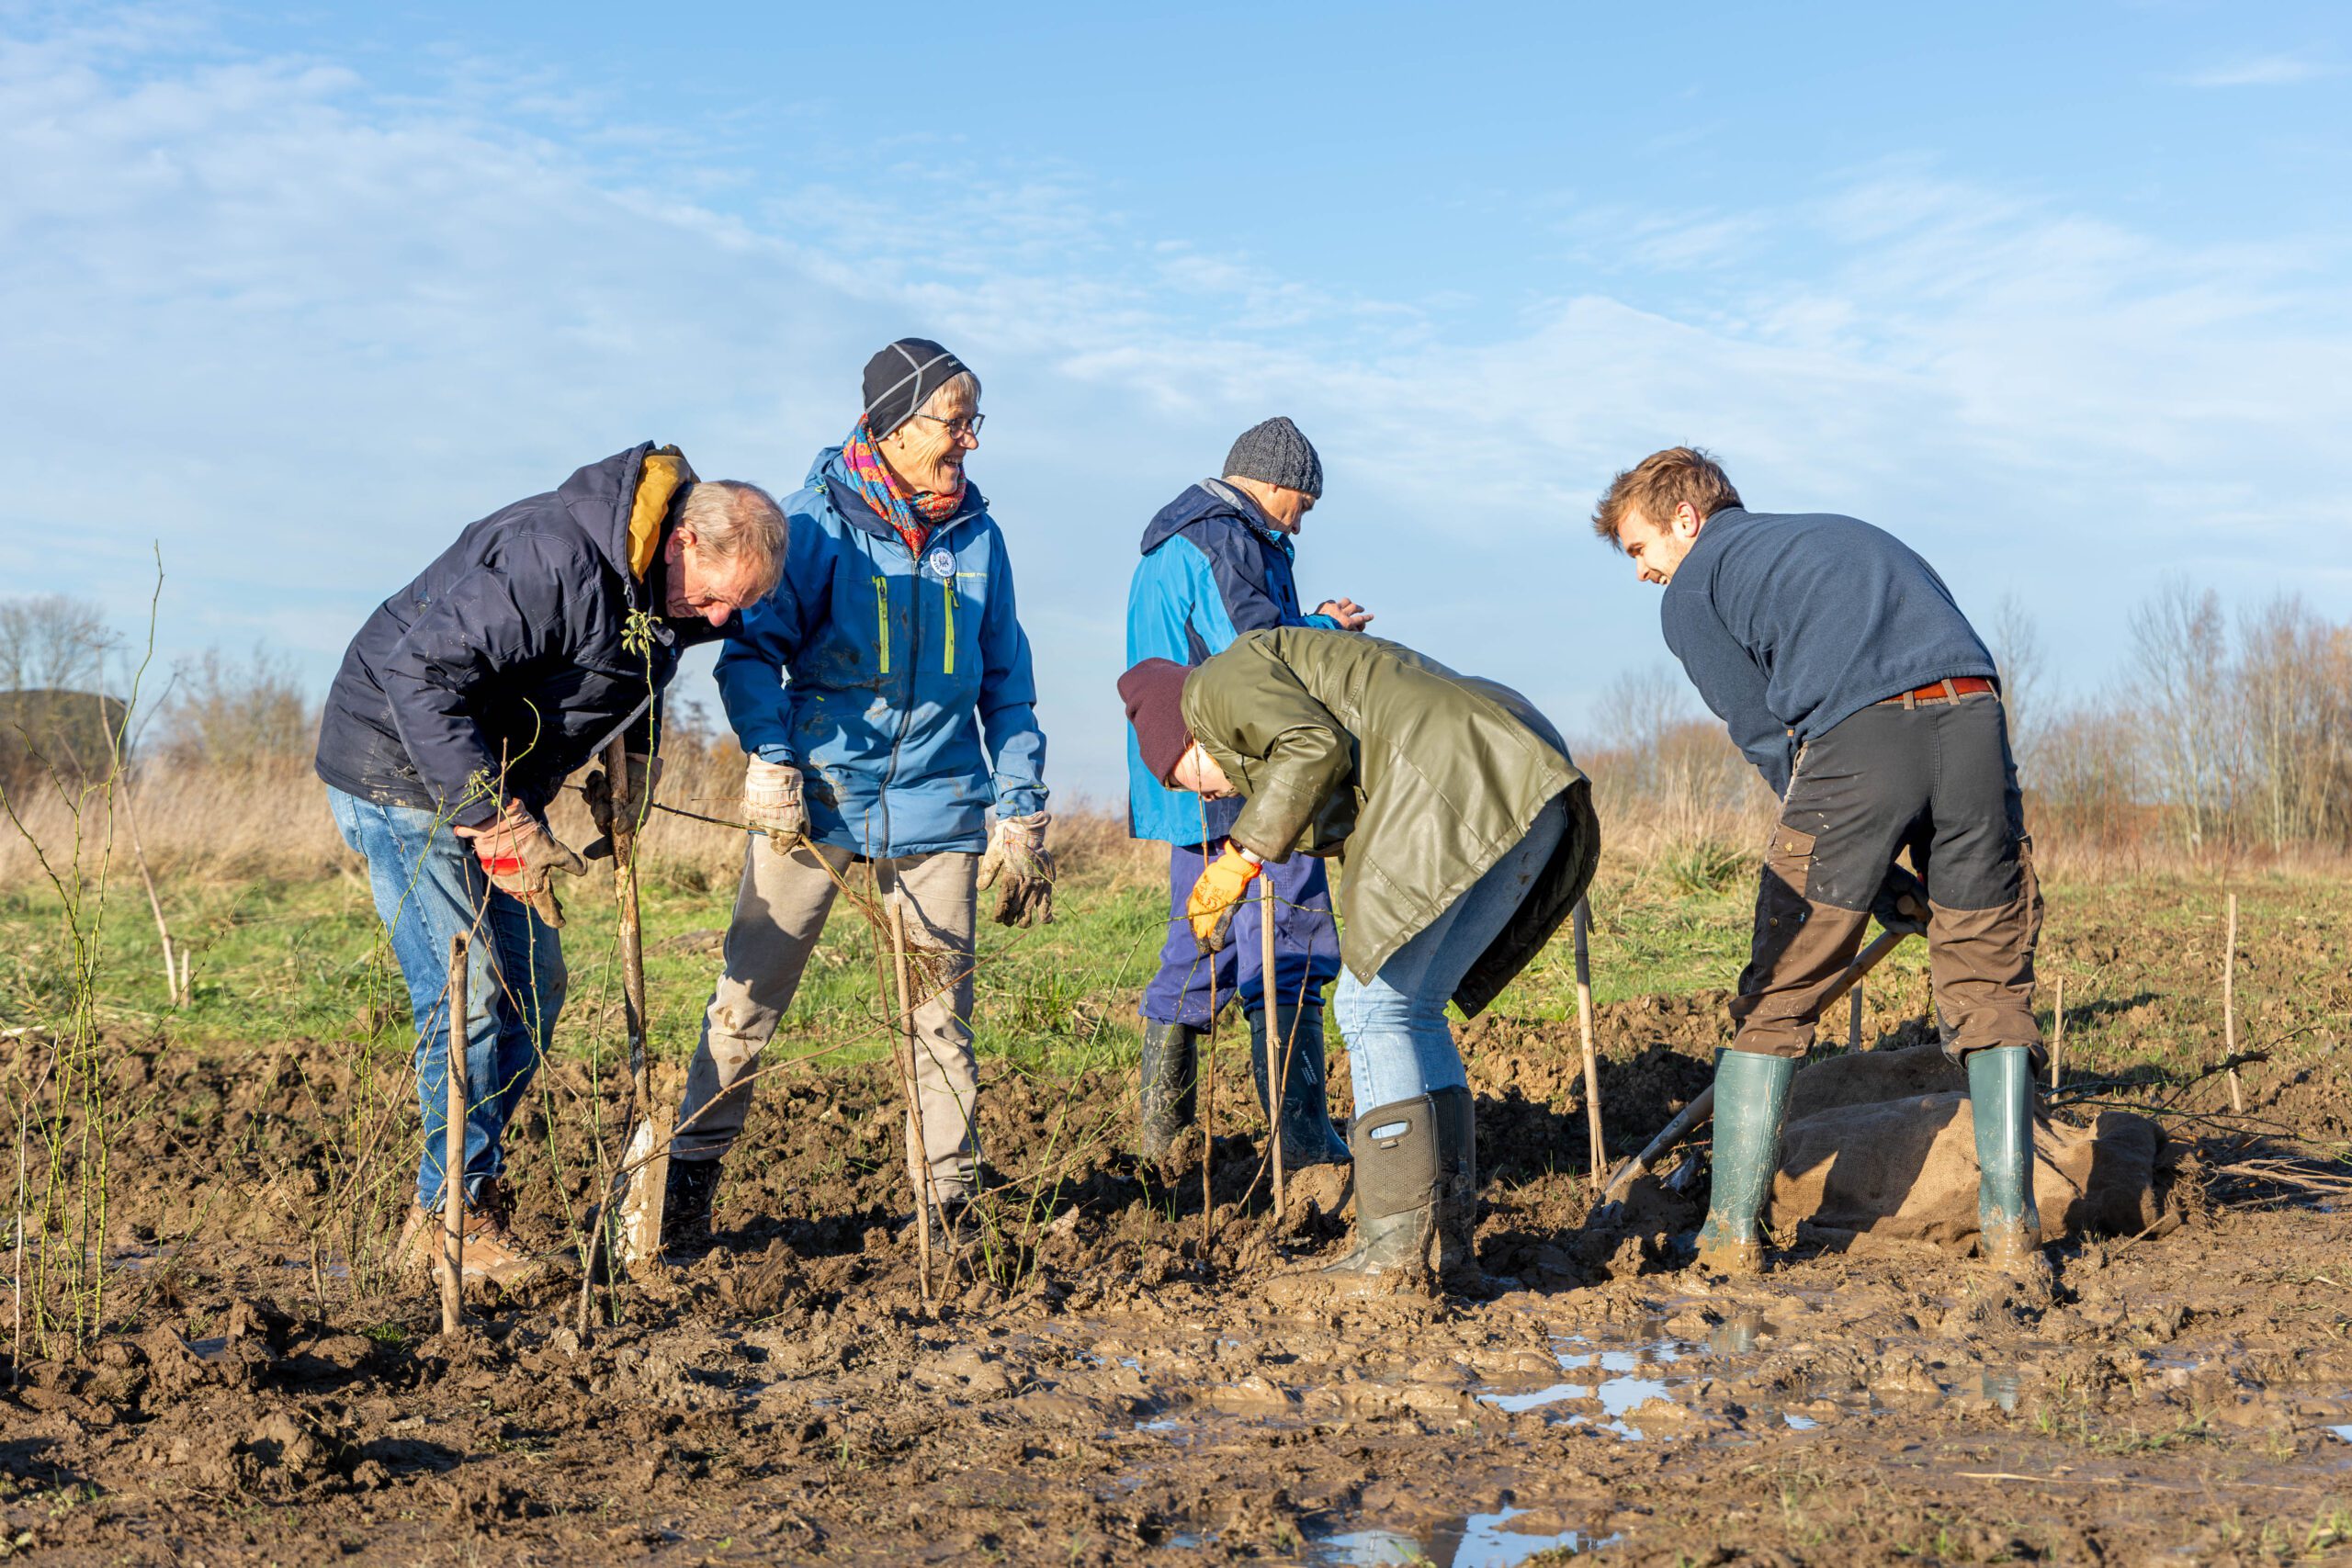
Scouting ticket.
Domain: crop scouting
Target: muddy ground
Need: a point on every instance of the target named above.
(1092, 1389)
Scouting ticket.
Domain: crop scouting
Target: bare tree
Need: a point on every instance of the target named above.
(51, 642)
(229, 712)
(2016, 650)
(2186, 692)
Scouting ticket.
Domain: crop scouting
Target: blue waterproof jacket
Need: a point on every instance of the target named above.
(511, 657)
(1213, 567)
(1790, 622)
(880, 675)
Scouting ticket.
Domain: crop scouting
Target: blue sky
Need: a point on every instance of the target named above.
(2062, 295)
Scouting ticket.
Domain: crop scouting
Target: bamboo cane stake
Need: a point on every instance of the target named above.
(918, 1148)
(1599, 1153)
(1704, 1105)
(646, 1154)
(1279, 1061)
(1208, 1076)
(2058, 1033)
(2228, 1008)
(453, 1146)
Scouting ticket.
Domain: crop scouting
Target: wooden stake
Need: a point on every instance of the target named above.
(1854, 1020)
(645, 1156)
(1277, 1058)
(2229, 1006)
(2058, 1033)
(453, 1148)
(1207, 1077)
(1598, 1155)
(918, 1146)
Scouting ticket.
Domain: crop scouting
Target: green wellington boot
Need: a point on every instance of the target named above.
(1307, 1134)
(2000, 1099)
(1400, 1184)
(1751, 1102)
(1170, 1060)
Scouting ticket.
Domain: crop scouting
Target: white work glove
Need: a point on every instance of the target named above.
(1017, 854)
(772, 801)
(518, 853)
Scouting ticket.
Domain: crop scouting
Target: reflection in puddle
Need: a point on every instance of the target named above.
(1480, 1540)
(2001, 1388)
(2343, 1432)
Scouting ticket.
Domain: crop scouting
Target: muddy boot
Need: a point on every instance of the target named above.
(1457, 1195)
(1751, 1102)
(1308, 1137)
(493, 1253)
(2000, 1100)
(1171, 1059)
(687, 1203)
(1399, 1187)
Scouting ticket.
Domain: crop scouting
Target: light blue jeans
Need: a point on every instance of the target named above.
(1398, 1044)
(428, 887)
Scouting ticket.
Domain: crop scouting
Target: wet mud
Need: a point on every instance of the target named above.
(1092, 1385)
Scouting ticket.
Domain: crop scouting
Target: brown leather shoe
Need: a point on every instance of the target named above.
(492, 1255)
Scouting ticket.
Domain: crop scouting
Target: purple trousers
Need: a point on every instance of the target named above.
(1306, 944)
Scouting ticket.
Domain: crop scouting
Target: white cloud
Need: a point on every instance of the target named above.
(2260, 71)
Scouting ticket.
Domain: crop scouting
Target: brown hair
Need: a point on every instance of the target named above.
(1660, 482)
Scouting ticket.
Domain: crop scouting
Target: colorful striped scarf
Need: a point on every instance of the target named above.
(911, 513)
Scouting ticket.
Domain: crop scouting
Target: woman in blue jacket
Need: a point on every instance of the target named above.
(885, 702)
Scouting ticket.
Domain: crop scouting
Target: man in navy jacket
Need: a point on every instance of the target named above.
(468, 696)
(1845, 671)
(1216, 562)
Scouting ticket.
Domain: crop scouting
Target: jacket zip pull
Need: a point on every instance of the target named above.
(882, 620)
(947, 661)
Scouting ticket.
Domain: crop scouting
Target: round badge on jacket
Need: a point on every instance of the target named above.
(941, 564)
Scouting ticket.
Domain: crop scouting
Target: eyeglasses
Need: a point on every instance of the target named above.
(957, 428)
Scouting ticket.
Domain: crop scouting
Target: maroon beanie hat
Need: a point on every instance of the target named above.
(1154, 692)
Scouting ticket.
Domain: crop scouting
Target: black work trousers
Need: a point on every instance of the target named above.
(1936, 779)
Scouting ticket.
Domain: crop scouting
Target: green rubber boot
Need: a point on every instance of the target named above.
(1751, 1102)
(2000, 1099)
(1457, 1195)
(1169, 1098)
(1400, 1183)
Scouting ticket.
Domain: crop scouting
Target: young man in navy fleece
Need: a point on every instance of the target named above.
(1216, 562)
(1851, 679)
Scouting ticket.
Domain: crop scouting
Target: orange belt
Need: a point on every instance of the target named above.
(1942, 691)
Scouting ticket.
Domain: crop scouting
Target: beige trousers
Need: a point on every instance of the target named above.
(780, 909)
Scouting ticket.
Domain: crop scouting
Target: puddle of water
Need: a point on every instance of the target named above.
(2343, 1432)
(1802, 1423)
(2001, 1388)
(1479, 1540)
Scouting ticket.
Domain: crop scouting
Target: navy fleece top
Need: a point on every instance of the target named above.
(1788, 622)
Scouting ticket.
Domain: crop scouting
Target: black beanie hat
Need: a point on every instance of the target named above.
(1154, 692)
(902, 378)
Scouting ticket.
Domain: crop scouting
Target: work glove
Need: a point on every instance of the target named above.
(772, 803)
(636, 800)
(1222, 886)
(519, 855)
(1902, 903)
(1017, 855)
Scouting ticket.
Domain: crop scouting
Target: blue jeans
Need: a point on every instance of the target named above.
(1398, 1044)
(1306, 944)
(428, 888)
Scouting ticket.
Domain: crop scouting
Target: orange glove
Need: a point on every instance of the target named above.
(1222, 886)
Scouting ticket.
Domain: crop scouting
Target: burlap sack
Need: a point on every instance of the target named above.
(1903, 1168)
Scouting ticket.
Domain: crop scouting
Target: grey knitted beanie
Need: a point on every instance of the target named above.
(1276, 453)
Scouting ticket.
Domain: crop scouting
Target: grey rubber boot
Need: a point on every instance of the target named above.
(2000, 1099)
(1752, 1102)
(687, 1201)
(1457, 1195)
(1399, 1186)
(1308, 1137)
(1169, 1099)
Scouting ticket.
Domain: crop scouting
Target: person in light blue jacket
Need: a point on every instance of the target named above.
(885, 702)
(1216, 562)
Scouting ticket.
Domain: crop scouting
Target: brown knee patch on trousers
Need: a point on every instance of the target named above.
(1799, 949)
(1982, 965)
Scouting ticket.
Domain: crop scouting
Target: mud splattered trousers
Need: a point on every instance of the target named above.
(1306, 942)
(780, 911)
(1935, 778)
(428, 887)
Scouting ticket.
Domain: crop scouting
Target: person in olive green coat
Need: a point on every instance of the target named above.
(1467, 836)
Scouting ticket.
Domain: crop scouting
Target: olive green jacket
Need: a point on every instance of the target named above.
(1425, 776)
